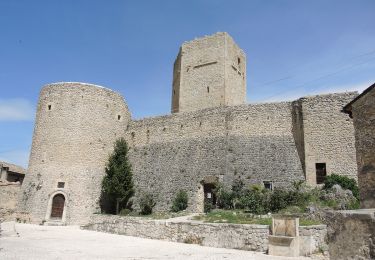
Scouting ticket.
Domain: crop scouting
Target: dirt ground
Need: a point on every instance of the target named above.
(24, 241)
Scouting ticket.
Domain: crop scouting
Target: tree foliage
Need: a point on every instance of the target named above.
(180, 202)
(117, 185)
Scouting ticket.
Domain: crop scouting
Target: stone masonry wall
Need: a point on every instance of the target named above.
(76, 127)
(328, 135)
(364, 122)
(253, 143)
(236, 236)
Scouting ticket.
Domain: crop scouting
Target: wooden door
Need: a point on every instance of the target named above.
(57, 206)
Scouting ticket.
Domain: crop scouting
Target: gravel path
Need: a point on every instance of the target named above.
(24, 241)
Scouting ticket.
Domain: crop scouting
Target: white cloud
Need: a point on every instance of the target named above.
(18, 157)
(298, 93)
(16, 110)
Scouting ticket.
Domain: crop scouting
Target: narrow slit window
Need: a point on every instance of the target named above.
(118, 117)
(321, 172)
(208, 89)
(49, 107)
(268, 185)
(238, 61)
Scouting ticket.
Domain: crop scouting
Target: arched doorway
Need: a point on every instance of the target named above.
(57, 209)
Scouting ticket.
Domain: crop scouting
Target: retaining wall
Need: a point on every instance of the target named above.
(223, 235)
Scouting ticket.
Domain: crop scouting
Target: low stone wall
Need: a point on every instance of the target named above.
(223, 235)
(9, 192)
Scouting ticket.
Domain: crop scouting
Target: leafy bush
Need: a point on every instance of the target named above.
(208, 207)
(225, 198)
(125, 212)
(345, 183)
(279, 200)
(146, 204)
(180, 202)
(295, 199)
(255, 200)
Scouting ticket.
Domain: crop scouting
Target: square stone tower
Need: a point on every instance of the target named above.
(209, 72)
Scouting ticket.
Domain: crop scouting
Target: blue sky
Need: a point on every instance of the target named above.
(294, 48)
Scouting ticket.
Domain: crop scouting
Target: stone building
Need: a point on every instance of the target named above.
(362, 110)
(211, 136)
(11, 172)
(11, 177)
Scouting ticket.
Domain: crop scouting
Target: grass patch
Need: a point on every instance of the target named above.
(240, 217)
(158, 215)
(233, 217)
(308, 222)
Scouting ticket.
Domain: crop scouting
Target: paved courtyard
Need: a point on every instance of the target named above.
(24, 241)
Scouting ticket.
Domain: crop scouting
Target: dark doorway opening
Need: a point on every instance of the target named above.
(209, 194)
(321, 172)
(57, 206)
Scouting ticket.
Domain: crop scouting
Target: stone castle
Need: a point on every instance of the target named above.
(212, 136)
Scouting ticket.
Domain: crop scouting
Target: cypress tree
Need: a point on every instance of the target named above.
(117, 185)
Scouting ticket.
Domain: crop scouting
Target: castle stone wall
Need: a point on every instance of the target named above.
(253, 143)
(76, 127)
(328, 135)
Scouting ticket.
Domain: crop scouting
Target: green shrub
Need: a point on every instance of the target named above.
(225, 199)
(180, 202)
(125, 212)
(345, 183)
(354, 204)
(146, 204)
(208, 207)
(279, 200)
(237, 188)
(255, 200)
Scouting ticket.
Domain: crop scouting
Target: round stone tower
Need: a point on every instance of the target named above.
(75, 129)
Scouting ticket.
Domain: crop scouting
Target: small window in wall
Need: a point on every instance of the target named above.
(321, 172)
(208, 89)
(118, 117)
(238, 61)
(49, 107)
(60, 185)
(268, 185)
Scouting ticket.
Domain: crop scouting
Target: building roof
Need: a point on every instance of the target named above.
(12, 167)
(348, 108)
